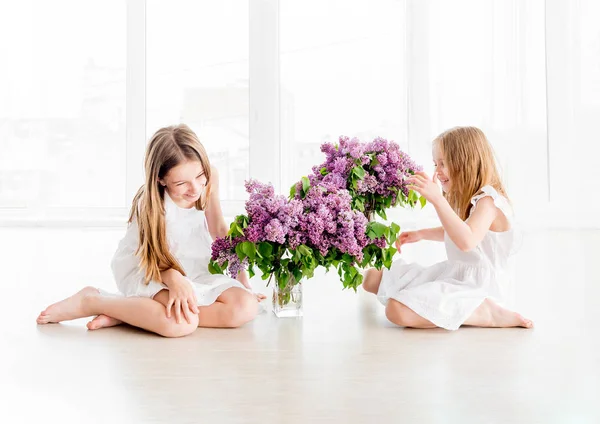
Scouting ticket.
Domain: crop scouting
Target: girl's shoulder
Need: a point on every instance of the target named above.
(499, 200)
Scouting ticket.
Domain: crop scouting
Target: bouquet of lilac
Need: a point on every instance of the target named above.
(374, 174)
(289, 238)
(325, 221)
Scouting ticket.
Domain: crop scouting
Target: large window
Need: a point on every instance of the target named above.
(62, 105)
(197, 73)
(83, 85)
(342, 73)
(482, 63)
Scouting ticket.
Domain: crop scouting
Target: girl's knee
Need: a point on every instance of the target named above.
(372, 280)
(242, 309)
(172, 329)
(399, 313)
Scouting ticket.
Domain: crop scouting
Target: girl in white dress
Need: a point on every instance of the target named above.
(476, 219)
(161, 265)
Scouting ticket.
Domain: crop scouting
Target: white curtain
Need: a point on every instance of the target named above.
(265, 84)
(573, 79)
(525, 72)
(482, 63)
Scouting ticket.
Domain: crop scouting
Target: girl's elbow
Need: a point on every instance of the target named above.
(222, 231)
(465, 246)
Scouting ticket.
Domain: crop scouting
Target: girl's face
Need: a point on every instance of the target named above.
(185, 183)
(440, 169)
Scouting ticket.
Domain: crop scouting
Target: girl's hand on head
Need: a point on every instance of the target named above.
(182, 300)
(426, 187)
(408, 237)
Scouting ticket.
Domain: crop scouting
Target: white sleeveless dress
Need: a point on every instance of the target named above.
(189, 241)
(447, 293)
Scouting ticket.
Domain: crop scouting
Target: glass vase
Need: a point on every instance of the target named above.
(287, 300)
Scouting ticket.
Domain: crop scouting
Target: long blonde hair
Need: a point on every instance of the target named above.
(169, 147)
(470, 161)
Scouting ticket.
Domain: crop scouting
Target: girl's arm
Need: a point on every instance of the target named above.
(465, 235)
(217, 227)
(433, 234)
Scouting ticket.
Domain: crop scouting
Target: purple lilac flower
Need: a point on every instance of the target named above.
(223, 249)
(324, 218)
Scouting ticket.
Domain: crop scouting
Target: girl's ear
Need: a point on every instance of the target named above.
(162, 182)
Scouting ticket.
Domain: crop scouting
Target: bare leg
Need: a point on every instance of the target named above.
(488, 314)
(372, 280)
(55, 310)
(144, 313)
(233, 308)
(67, 309)
(402, 315)
(103, 321)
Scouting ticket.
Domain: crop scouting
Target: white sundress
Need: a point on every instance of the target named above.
(447, 293)
(189, 241)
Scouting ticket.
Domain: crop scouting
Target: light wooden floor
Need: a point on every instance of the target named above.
(341, 363)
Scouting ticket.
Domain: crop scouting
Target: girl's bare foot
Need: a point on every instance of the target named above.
(500, 317)
(68, 309)
(103, 321)
(260, 297)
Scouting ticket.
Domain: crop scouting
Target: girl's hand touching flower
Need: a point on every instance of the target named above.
(426, 187)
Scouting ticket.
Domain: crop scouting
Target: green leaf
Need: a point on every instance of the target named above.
(283, 279)
(347, 258)
(359, 172)
(240, 251)
(358, 279)
(305, 184)
(381, 213)
(323, 171)
(251, 271)
(366, 258)
(249, 249)
(265, 249)
(423, 201)
(214, 268)
(358, 204)
(413, 196)
(395, 228)
(305, 250)
(239, 229)
(376, 228)
(297, 274)
(232, 229)
(293, 191)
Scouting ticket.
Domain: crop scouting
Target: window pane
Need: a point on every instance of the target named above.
(197, 73)
(485, 67)
(62, 104)
(342, 73)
